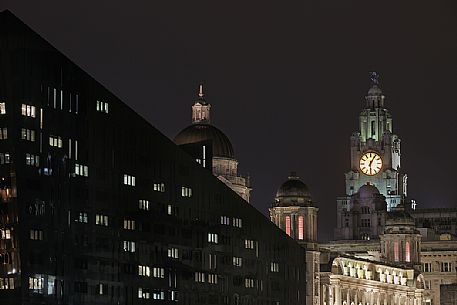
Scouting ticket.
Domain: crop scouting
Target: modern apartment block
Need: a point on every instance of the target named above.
(98, 207)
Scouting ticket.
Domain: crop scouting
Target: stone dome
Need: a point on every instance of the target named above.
(368, 191)
(398, 216)
(293, 192)
(222, 147)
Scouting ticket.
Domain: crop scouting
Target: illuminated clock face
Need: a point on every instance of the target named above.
(370, 163)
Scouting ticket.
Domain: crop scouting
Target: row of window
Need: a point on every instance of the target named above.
(6, 283)
(145, 293)
(300, 226)
(201, 277)
(444, 267)
(81, 170)
(56, 99)
(103, 220)
(146, 271)
(237, 222)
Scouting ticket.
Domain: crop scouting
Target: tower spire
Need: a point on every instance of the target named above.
(200, 108)
(200, 91)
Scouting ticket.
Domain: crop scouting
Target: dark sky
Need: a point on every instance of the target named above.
(286, 79)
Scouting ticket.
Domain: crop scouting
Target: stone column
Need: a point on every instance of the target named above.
(330, 295)
(337, 294)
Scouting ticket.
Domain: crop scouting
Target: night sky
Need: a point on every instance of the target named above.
(286, 79)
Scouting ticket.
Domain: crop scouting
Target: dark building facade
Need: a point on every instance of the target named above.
(98, 207)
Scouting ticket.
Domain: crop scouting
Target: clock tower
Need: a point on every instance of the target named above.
(375, 159)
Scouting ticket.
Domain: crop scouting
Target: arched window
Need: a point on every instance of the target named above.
(396, 256)
(407, 252)
(300, 227)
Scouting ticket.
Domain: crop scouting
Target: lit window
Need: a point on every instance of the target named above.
(237, 222)
(4, 158)
(143, 293)
(82, 217)
(212, 238)
(129, 224)
(237, 261)
(173, 253)
(101, 220)
(55, 141)
(274, 267)
(169, 209)
(249, 244)
(300, 227)
(144, 270)
(36, 284)
(199, 277)
(158, 295)
(5, 234)
(81, 170)
(129, 180)
(174, 295)
(225, 220)
(36, 234)
(396, 257)
(3, 133)
(102, 289)
(129, 246)
(6, 283)
(158, 272)
(28, 110)
(102, 106)
(212, 261)
(249, 283)
(143, 204)
(427, 267)
(212, 278)
(32, 160)
(2, 108)
(159, 187)
(445, 267)
(28, 134)
(407, 252)
(186, 191)
(288, 225)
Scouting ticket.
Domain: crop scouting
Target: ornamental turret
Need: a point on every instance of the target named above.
(201, 110)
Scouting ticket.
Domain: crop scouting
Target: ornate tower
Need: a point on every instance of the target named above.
(375, 155)
(294, 212)
(224, 164)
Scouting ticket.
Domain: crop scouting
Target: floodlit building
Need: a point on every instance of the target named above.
(224, 163)
(294, 212)
(98, 207)
(384, 252)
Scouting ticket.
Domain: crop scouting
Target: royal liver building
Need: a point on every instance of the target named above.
(375, 175)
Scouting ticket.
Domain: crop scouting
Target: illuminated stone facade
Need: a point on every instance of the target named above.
(375, 136)
(294, 212)
(224, 163)
(352, 281)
